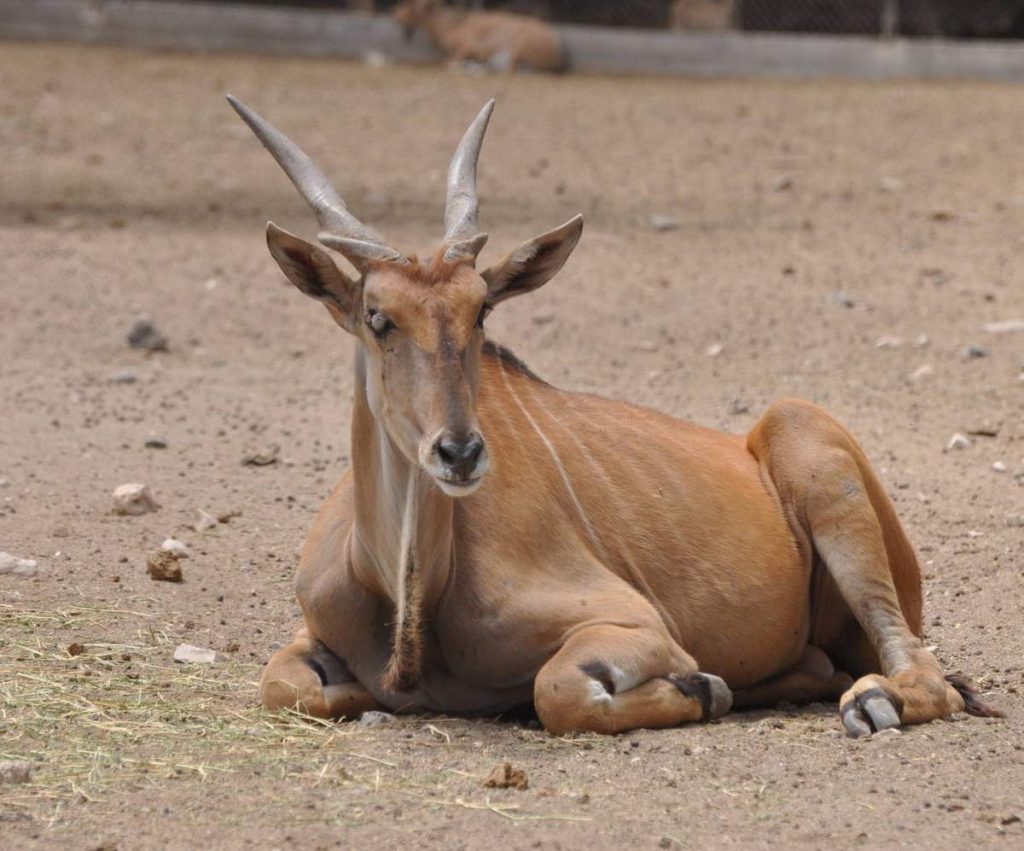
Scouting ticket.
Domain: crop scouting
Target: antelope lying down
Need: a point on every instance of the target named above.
(498, 541)
(503, 40)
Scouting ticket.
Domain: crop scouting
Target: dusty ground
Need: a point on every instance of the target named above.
(815, 219)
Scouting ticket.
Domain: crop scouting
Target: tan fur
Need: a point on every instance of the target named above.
(516, 41)
(708, 15)
(618, 567)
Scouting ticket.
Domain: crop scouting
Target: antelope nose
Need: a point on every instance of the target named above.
(460, 454)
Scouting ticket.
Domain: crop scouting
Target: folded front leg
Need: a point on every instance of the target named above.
(609, 679)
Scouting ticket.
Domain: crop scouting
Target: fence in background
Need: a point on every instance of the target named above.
(348, 30)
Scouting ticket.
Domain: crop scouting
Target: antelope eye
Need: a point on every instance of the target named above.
(378, 322)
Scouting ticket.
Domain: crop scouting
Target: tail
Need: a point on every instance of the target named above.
(973, 705)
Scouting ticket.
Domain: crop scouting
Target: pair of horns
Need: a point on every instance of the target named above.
(344, 232)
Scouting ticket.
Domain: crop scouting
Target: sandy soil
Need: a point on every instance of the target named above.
(816, 219)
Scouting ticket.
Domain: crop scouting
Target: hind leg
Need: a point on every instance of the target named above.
(831, 495)
(813, 678)
(307, 676)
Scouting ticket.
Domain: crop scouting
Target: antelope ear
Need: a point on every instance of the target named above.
(313, 271)
(533, 263)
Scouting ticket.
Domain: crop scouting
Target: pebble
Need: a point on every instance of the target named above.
(204, 521)
(146, 336)
(198, 655)
(843, 298)
(1015, 520)
(18, 566)
(888, 343)
(15, 771)
(714, 350)
(921, 341)
(263, 458)
(998, 467)
(155, 443)
(175, 547)
(890, 184)
(923, 370)
(125, 376)
(133, 499)
(975, 352)
(663, 223)
(1004, 326)
(162, 566)
(783, 183)
(959, 441)
(375, 719)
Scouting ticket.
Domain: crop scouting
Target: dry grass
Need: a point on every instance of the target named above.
(108, 718)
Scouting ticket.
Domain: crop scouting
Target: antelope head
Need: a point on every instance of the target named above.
(420, 323)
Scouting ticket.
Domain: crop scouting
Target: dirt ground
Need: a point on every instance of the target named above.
(840, 242)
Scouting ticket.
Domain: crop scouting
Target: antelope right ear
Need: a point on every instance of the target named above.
(533, 263)
(313, 271)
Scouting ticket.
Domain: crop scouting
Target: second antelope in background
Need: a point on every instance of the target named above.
(502, 40)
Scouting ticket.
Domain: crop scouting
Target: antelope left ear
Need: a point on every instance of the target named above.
(313, 271)
(533, 263)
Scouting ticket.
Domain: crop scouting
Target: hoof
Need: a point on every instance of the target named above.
(714, 695)
(869, 712)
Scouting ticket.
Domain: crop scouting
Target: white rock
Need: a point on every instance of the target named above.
(1004, 326)
(998, 467)
(714, 350)
(959, 441)
(204, 521)
(198, 655)
(15, 771)
(375, 719)
(176, 548)
(921, 341)
(888, 343)
(663, 223)
(17, 566)
(922, 371)
(890, 184)
(134, 499)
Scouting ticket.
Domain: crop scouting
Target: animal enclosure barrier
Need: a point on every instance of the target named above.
(862, 39)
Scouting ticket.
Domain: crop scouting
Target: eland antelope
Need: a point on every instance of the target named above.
(498, 541)
(504, 40)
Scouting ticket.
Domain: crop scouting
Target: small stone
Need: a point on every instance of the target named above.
(1015, 520)
(15, 771)
(890, 184)
(263, 458)
(888, 342)
(227, 516)
(543, 318)
(1004, 326)
(197, 655)
(663, 223)
(376, 59)
(922, 371)
(175, 547)
(375, 719)
(75, 649)
(782, 183)
(18, 566)
(162, 566)
(974, 352)
(133, 499)
(958, 441)
(998, 467)
(921, 341)
(125, 376)
(505, 776)
(843, 298)
(714, 350)
(146, 336)
(155, 443)
(204, 521)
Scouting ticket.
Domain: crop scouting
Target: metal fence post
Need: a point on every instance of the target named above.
(890, 23)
